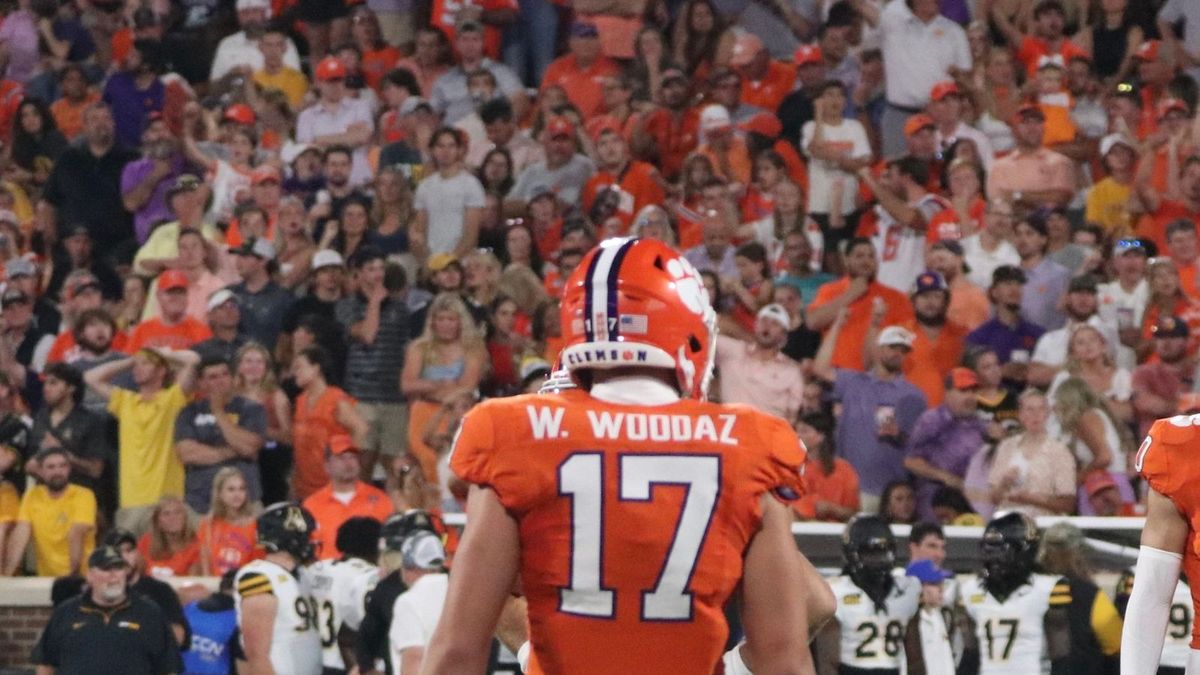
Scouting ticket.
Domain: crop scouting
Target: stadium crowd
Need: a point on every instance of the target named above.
(276, 249)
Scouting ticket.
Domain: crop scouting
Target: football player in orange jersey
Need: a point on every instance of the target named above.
(1167, 460)
(631, 508)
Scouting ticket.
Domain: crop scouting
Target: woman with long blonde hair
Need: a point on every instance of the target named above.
(254, 379)
(1090, 357)
(228, 533)
(447, 359)
(170, 548)
(1097, 438)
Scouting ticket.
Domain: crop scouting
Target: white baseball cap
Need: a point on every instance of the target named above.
(327, 257)
(423, 551)
(715, 117)
(777, 313)
(896, 335)
(1113, 140)
(220, 297)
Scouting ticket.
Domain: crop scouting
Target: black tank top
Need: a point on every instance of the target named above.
(1108, 48)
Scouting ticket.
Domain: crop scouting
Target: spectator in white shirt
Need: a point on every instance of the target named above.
(337, 119)
(1123, 300)
(990, 248)
(920, 49)
(417, 610)
(837, 148)
(241, 48)
(449, 202)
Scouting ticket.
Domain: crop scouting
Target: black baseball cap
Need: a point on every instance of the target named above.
(118, 536)
(106, 558)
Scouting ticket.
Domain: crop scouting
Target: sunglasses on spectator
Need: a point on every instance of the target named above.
(1126, 244)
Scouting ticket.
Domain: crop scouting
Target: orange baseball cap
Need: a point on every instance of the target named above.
(342, 443)
(918, 122)
(807, 54)
(1149, 50)
(240, 113)
(943, 89)
(171, 280)
(604, 124)
(330, 68)
(963, 378)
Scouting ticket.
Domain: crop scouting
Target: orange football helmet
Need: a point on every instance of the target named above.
(638, 302)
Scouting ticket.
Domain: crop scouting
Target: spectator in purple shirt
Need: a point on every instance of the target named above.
(879, 409)
(135, 92)
(944, 439)
(1007, 333)
(19, 35)
(144, 182)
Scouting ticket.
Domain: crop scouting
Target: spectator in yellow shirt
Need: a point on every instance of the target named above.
(1108, 200)
(275, 74)
(149, 467)
(58, 516)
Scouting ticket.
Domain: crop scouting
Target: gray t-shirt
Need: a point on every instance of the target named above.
(446, 201)
(566, 181)
(373, 370)
(197, 423)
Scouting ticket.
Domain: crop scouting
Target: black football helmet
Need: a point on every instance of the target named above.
(1009, 550)
(287, 527)
(401, 526)
(870, 551)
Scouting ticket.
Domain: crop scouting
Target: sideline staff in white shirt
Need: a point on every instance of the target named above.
(418, 609)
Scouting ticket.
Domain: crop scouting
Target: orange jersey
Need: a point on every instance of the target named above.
(636, 186)
(1167, 460)
(633, 520)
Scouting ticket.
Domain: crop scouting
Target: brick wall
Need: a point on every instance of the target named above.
(19, 630)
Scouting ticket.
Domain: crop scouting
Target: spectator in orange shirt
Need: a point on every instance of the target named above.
(76, 97)
(968, 303)
(765, 81)
(378, 57)
(832, 482)
(1156, 69)
(629, 183)
(1162, 212)
(1048, 39)
(940, 341)
(344, 496)
(170, 548)
(227, 534)
(322, 411)
(724, 148)
(173, 327)
(668, 134)
(581, 73)
(861, 296)
(1171, 143)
